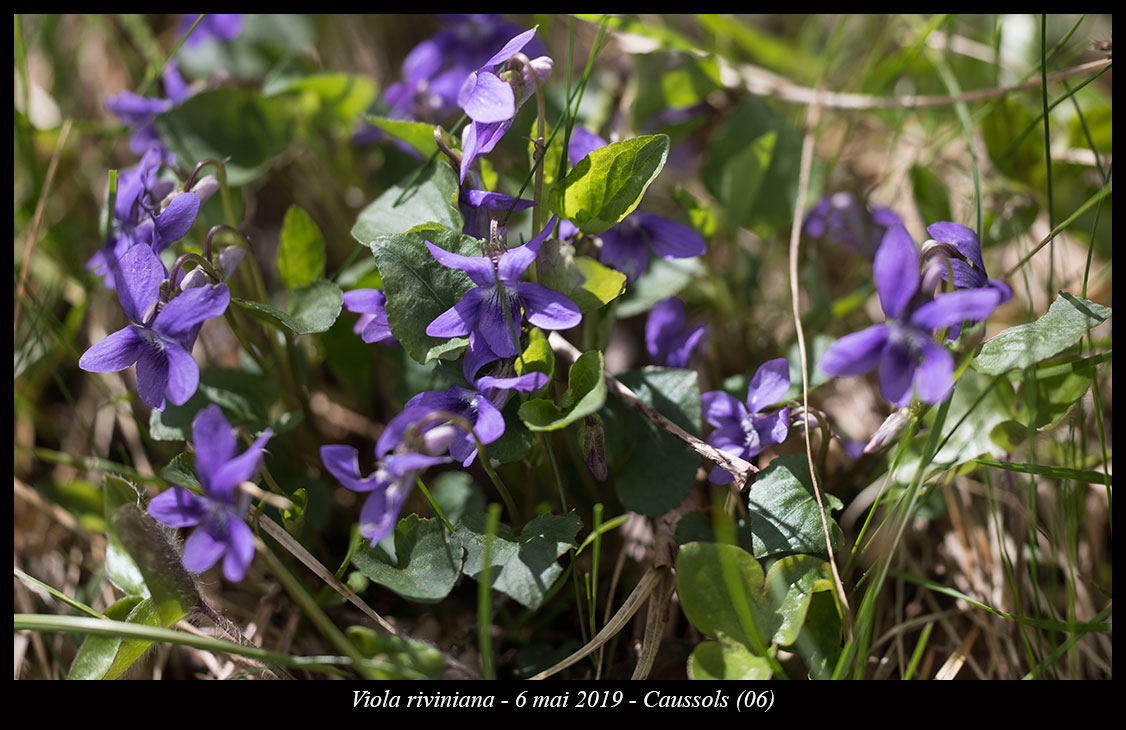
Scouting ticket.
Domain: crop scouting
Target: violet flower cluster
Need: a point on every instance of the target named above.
(219, 514)
(903, 349)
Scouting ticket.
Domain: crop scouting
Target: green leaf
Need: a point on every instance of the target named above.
(418, 288)
(701, 213)
(733, 166)
(1067, 320)
(671, 81)
(652, 470)
(716, 605)
(301, 254)
(608, 184)
(726, 659)
(433, 198)
(724, 593)
(783, 510)
(814, 351)
(586, 393)
(313, 307)
(820, 638)
(972, 416)
(426, 566)
(1056, 395)
(538, 357)
(418, 135)
(399, 658)
(586, 282)
(120, 568)
(742, 177)
(130, 650)
(229, 121)
(1019, 158)
(1055, 472)
(181, 471)
(96, 655)
(791, 583)
(173, 590)
(523, 568)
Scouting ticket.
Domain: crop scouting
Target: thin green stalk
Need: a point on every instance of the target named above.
(920, 647)
(955, 89)
(73, 603)
(437, 510)
(126, 630)
(484, 595)
(91, 462)
(1047, 146)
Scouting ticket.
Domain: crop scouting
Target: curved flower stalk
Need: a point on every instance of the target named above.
(903, 349)
(745, 430)
(842, 219)
(160, 340)
(668, 338)
(218, 514)
(490, 97)
(481, 311)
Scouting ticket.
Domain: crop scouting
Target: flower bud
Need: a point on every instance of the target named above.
(206, 187)
(437, 440)
(593, 442)
(888, 431)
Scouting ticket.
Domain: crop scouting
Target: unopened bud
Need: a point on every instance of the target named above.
(229, 259)
(437, 440)
(206, 187)
(889, 430)
(593, 441)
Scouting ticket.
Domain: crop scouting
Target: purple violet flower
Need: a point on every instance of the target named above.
(668, 339)
(481, 312)
(220, 511)
(480, 407)
(745, 430)
(842, 219)
(903, 348)
(391, 482)
(435, 69)
(371, 305)
(160, 340)
(491, 101)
